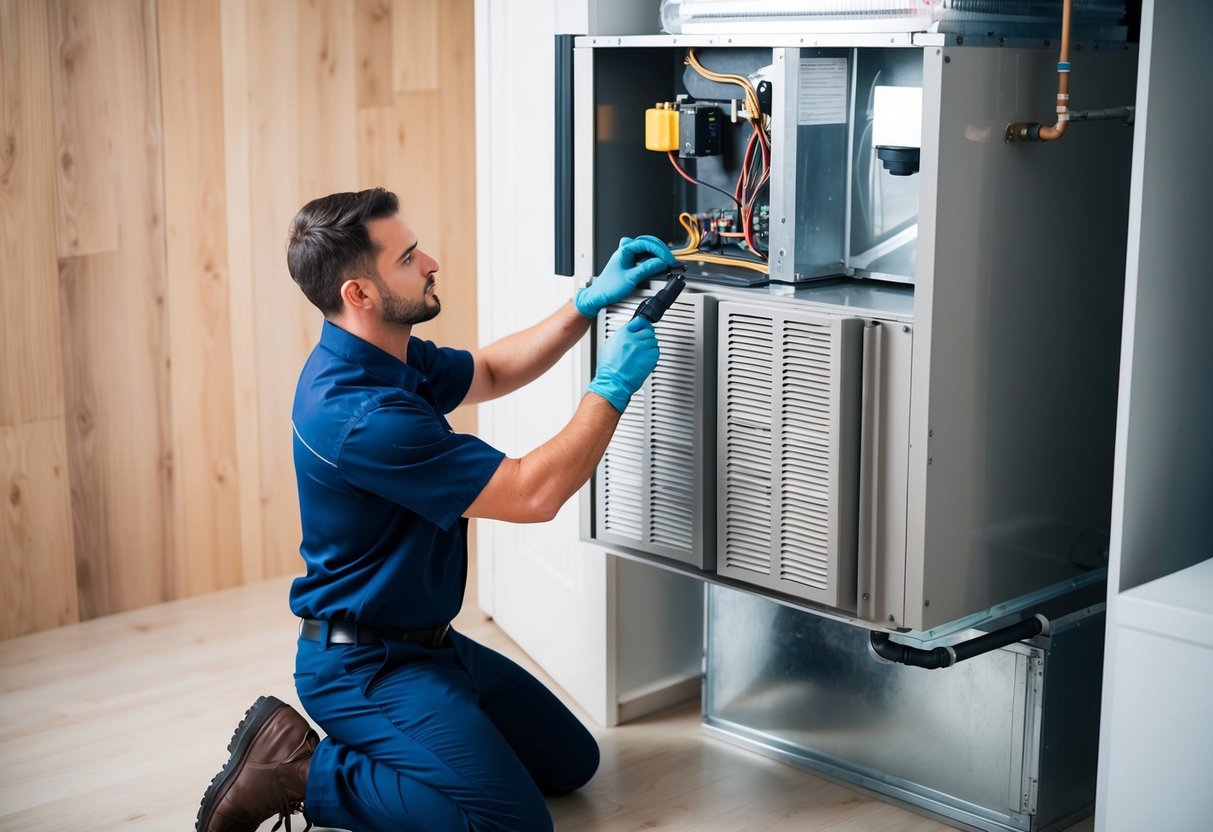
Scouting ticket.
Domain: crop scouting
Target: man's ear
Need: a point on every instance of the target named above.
(355, 294)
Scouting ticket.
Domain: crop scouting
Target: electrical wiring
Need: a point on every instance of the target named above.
(720, 260)
(751, 97)
(745, 192)
(694, 181)
(691, 253)
(694, 236)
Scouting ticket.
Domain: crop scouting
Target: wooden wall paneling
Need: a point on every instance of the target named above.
(237, 127)
(118, 459)
(37, 560)
(377, 146)
(37, 570)
(31, 373)
(287, 325)
(86, 132)
(325, 108)
(115, 347)
(373, 47)
(415, 45)
(206, 500)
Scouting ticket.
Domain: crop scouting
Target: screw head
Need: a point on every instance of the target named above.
(891, 617)
(865, 596)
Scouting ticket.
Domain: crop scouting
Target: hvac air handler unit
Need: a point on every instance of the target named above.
(886, 399)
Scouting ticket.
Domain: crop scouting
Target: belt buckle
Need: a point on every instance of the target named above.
(440, 635)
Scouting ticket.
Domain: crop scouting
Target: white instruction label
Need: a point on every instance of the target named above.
(823, 91)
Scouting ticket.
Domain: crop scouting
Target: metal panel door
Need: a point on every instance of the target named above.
(788, 441)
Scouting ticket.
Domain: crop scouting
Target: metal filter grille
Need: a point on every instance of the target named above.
(807, 413)
(673, 393)
(782, 494)
(648, 496)
(746, 466)
(621, 474)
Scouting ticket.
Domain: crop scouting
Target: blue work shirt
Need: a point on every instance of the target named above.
(384, 482)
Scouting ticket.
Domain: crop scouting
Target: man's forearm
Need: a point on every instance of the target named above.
(516, 360)
(532, 489)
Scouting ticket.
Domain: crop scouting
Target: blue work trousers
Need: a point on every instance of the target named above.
(450, 738)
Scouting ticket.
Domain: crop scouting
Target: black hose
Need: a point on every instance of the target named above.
(891, 651)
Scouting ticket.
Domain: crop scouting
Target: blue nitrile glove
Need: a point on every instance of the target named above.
(625, 361)
(622, 273)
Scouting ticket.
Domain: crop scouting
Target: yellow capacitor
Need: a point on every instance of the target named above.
(661, 128)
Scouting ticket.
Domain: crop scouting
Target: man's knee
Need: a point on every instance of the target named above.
(577, 770)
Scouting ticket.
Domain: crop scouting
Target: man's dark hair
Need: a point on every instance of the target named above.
(329, 243)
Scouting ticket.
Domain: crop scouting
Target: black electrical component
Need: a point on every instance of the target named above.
(653, 308)
(699, 129)
(764, 96)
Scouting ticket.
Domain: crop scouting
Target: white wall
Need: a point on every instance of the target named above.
(606, 630)
(1162, 507)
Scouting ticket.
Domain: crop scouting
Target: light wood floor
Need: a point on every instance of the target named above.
(119, 724)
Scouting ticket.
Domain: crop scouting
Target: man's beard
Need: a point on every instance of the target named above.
(397, 310)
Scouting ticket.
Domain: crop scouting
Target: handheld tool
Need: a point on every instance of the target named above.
(652, 308)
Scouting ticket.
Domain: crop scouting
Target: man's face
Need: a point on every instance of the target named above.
(406, 273)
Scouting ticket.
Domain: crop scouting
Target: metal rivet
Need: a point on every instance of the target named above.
(905, 328)
(865, 596)
(947, 59)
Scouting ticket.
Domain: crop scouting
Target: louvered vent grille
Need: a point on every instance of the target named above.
(747, 427)
(806, 454)
(673, 394)
(621, 473)
(651, 484)
(788, 406)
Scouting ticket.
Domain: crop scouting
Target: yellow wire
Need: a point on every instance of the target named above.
(751, 96)
(691, 224)
(692, 254)
(724, 261)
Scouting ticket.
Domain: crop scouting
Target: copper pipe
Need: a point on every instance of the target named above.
(1035, 131)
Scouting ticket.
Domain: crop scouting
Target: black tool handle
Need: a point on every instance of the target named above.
(651, 309)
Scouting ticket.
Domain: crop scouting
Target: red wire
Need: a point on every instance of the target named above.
(678, 168)
(744, 179)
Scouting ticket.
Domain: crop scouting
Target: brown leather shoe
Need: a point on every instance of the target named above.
(266, 774)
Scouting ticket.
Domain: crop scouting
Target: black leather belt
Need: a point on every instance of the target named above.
(347, 632)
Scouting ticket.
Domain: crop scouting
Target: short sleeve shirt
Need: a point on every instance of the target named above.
(384, 482)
